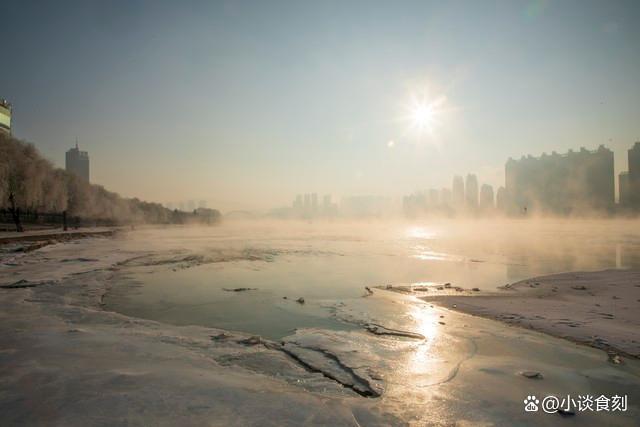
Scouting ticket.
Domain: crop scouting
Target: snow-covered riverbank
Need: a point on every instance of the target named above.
(65, 360)
(600, 309)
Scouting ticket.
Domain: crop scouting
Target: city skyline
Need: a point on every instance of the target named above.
(245, 119)
(466, 193)
(578, 182)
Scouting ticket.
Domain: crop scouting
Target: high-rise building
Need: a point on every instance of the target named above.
(365, 206)
(458, 192)
(501, 199)
(445, 197)
(486, 197)
(77, 162)
(623, 188)
(415, 204)
(471, 191)
(434, 198)
(634, 176)
(307, 202)
(566, 183)
(326, 202)
(5, 116)
(297, 203)
(308, 206)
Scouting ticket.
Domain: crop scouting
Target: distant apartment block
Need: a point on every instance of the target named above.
(308, 206)
(445, 197)
(5, 116)
(486, 197)
(634, 176)
(434, 197)
(365, 206)
(326, 202)
(471, 191)
(623, 189)
(77, 162)
(562, 183)
(458, 192)
(501, 199)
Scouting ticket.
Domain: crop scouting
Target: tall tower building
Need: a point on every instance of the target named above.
(501, 199)
(5, 116)
(471, 191)
(445, 197)
(77, 162)
(577, 181)
(297, 203)
(326, 202)
(634, 176)
(623, 188)
(434, 198)
(458, 192)
(486, 197)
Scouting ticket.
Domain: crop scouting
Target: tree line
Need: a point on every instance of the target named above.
(31, 183)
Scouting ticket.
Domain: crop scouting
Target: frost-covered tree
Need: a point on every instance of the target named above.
(28, 182)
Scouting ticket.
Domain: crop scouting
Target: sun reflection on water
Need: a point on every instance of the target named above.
(420, 233)
(426, 323)
(428, 255)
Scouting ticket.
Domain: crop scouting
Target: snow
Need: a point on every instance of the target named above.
(65, 360)
(600, 308)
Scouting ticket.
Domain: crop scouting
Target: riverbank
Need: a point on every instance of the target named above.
(55, 235)
(67, 359)
(600, 309)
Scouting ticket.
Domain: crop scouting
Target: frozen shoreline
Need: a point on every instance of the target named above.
(600, 309)
(56, 234)
(65, 360)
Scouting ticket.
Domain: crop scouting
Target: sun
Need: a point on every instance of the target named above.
(426, 117)
(422, 117)
(424, 114)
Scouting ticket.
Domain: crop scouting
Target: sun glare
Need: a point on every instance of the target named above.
(423, 114)
(422, 117)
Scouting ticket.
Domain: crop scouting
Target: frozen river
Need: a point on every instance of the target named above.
(139, 329)
(188, 277)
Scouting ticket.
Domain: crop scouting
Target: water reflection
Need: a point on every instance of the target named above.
(517, 250)
(426, 323)
(329, 265)
(426, 254)
(333, 262)
(424, 233)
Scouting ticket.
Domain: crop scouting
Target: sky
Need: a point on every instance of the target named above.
(245, 104)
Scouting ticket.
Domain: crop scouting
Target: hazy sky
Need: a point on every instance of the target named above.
(246, 104)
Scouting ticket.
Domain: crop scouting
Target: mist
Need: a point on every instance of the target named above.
(324, 213)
